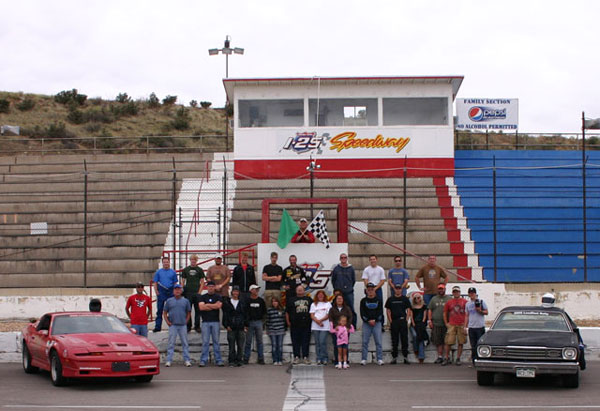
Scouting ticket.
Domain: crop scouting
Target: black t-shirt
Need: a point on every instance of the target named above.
(212, 315)
(298, 308)
(398, 306)
(293, 277)
(273, 271)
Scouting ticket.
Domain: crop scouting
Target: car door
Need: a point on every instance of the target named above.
(38, 341)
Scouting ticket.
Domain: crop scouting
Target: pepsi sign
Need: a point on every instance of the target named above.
(487, 114)
(482, 113)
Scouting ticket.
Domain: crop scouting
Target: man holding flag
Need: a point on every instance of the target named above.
(303, 235)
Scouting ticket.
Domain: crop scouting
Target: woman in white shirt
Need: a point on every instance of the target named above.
(319, 313)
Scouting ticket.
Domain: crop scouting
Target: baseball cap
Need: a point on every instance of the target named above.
(472, 290)
(254, 287)
(177, 286)
(219, 256)
(370, 285)
(139, 284)
(210, 283)
(235, 288)
(304, 219)
(440, 286)
(455, 288)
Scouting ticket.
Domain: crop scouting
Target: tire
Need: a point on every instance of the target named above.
(571, 380)
(485, 378)
(27, 367)
(56, 370)
(144, 378)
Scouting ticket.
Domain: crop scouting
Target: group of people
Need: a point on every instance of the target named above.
(286, 305)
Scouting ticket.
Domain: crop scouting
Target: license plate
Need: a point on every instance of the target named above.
(526, 372)
(120, 366)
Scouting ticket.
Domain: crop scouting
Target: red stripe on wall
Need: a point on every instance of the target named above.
(345, 168)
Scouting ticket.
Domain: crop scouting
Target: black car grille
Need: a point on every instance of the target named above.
(527, 353)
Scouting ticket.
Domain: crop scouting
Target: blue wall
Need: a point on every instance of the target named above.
(539, 213)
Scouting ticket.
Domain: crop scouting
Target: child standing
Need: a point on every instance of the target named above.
(342, 332)
(276, 330)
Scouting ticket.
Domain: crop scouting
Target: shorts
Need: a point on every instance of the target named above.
(438, 334)
(456, 333)
(343, 346)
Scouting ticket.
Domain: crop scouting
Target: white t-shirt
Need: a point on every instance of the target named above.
(321, 311)
(373, 274)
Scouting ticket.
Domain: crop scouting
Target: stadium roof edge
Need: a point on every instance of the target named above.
(231, 83)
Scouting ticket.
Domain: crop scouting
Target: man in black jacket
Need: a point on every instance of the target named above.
(256, 309)
(298, 319)
(244, 276)
(371, 312)
(235, 321)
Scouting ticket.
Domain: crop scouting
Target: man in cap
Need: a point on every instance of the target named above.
(164, 279)
(432, 275)
(475, 321)
(304, 235)
(210, 304)
(235, 321)
(138, 310)
(256, 309)
(371, 312)
(435, 315)
(220, 275)
(193, 284)
(454, 318)
(177, 311)
(398, 310)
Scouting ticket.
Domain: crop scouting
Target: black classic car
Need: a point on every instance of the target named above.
(531, 341)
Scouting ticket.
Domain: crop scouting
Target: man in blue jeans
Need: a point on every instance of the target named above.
(177, 311)
(209, 305)
(371, 312)
(164, 280)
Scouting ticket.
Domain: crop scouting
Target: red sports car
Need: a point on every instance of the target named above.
(87, 344)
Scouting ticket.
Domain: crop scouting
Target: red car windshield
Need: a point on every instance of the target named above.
(84, 324)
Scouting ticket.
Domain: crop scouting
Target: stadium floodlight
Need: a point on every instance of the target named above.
(227, 50)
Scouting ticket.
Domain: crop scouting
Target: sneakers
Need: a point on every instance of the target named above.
(421, 360)
(187, 364)
(261, 361)
(439, 360)
(201, 364)
(156, 330)
(339, 366)
(379, 362)
(221, 364)
(306, 361)
(393, 361)
(296, 360)
(168, 364)
(445, 362)
(345, 366)
(406, 361)
(363, 362)
(457, 362)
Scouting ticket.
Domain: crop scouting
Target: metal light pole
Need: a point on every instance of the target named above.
(312, 166)
(227, 50)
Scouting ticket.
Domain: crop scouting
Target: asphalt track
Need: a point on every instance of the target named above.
(255, 387)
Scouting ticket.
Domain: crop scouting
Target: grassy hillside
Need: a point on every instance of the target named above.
(73, 115)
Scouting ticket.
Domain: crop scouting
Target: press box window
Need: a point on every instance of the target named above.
(271, 113)
(429, 111)
(343, 112)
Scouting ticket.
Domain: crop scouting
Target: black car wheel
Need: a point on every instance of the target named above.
(56, 370)
(29, 369)
(485, 378)
(144, 378)
(571, 380)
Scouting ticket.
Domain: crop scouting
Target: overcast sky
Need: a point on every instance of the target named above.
(545, 53)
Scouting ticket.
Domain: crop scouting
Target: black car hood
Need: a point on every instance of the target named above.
(529, 338)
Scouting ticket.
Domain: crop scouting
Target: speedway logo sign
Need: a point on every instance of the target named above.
(487, 114)
(347, 140)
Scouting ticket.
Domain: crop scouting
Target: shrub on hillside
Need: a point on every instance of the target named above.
(153, 101)
(4, 105)
(26, 105)
(169, 100)
(229, 109)
(124, 110)
(182, 119)
(123, 98)
(93, 128)
(70, 97)
(96, 101)
(205, 104)
(76, 116)
(58, 130)
(193, 103)
(101, 115)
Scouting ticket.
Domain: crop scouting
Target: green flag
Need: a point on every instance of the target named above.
(287, 229)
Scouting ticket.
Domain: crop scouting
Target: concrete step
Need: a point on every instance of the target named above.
(69, 228)
(74, 266)
(124, 205)
(75, 279)
(94, 253)
(102, 240)
(342, 182)
(333, 192)
(365, 202)
(139, 216)
(141, 195)
(77, 186)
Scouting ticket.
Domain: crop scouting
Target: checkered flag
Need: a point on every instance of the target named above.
(319, 228)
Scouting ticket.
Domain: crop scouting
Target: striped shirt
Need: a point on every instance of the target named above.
(275, 321)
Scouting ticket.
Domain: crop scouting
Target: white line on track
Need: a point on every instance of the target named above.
(124, 407)
(504, 407)
(194, 381)
(430, 380)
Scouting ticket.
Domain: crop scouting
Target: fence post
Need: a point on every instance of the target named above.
(404, 216)
(224, 206)
(181, 239)
(85, 221)
(174, 211)
(495, 222)
(584, 194)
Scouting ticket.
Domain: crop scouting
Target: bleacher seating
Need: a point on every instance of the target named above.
(539, 213)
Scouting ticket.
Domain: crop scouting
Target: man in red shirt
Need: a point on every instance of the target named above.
(304, 235)
(454, 317)
(138, 310)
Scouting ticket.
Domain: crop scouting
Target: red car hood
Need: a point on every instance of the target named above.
(106, 342)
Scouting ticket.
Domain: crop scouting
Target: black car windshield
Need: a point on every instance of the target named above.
(82, 324)
(531, 321)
